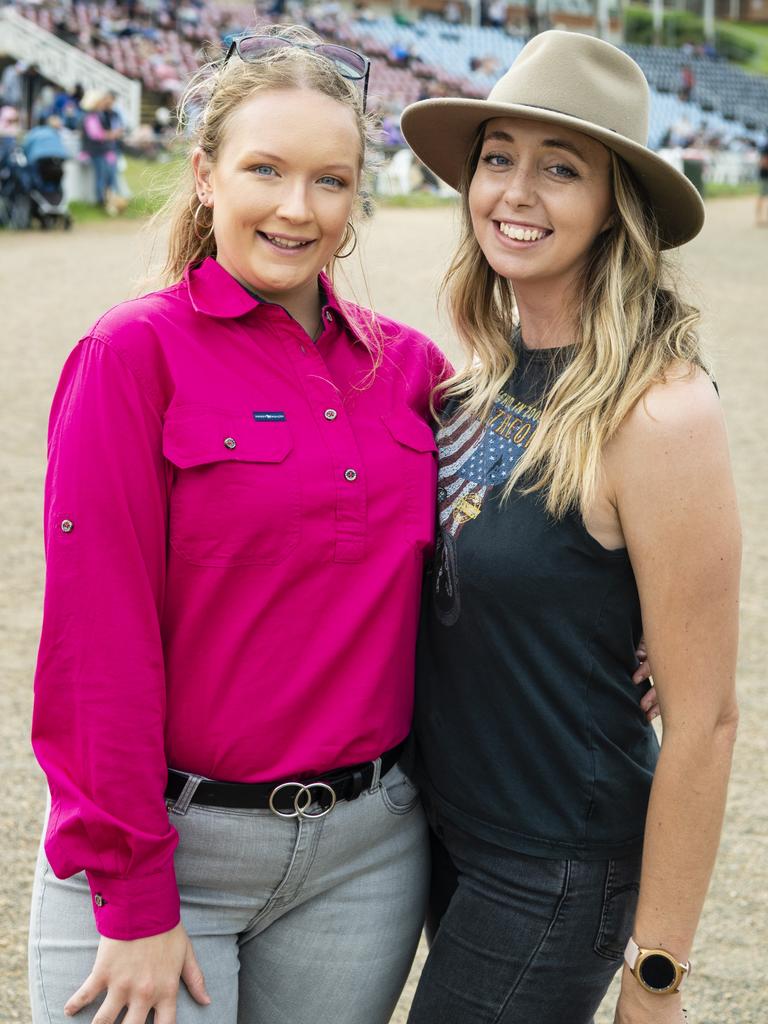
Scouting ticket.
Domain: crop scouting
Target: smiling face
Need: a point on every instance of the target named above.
(538, 199)
(281, 189)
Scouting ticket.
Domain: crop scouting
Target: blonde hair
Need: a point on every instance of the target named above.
(205, 109)
(633, 329)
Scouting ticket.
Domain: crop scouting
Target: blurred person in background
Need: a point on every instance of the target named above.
(12, 84)
(9, 130)
(66, 105)
(99, 142)
(585, 494)
(687, 83)
(761, 207)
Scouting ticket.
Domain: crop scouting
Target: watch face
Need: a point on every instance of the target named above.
(658, 972)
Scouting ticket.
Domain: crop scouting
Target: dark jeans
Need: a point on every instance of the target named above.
(521, 940)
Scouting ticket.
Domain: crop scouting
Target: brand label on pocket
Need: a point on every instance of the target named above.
(269, 417)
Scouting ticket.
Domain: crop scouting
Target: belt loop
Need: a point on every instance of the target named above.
(376, 777)
(181, 806)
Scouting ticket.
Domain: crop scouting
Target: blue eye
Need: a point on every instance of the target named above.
(562, 171)
(496, 160)
(329, 179)
(263, 170)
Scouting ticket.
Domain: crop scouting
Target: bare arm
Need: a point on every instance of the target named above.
(670, 472)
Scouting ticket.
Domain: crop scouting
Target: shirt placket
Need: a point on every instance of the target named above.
(324, 396)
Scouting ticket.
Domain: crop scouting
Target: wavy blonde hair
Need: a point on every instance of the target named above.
(633, 328)
(205, 109)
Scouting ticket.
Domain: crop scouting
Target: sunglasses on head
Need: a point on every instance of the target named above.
(349, 63)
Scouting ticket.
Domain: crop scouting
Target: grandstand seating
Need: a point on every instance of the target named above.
(729, 102)
(441, 46)
(720, 88)
(161, 55)
(430, 57)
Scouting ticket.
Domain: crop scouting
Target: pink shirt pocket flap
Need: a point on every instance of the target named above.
(198, 438)
(410, 430)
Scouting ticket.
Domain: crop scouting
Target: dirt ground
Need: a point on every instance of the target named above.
(53, 286)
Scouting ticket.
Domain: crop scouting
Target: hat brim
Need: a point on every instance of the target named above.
(441, 131)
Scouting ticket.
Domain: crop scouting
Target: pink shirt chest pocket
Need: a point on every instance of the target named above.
(416, 469)
(235, 496)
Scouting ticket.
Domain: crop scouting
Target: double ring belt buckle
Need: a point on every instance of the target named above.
(304, 799)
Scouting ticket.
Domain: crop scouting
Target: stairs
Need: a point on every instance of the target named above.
(65, 65)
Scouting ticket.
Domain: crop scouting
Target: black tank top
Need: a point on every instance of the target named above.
(529, 728)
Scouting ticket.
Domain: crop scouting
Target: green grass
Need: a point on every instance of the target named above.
(714, 191)
(150, 183)
(417, 200)
(755, 34)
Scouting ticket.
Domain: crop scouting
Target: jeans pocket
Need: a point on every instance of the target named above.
(398, 793)
(622, 885)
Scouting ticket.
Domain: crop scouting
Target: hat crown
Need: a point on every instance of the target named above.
(582, 77)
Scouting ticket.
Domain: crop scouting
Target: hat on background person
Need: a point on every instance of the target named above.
(581, 83)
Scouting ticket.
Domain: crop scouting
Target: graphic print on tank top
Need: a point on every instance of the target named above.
(476, 456)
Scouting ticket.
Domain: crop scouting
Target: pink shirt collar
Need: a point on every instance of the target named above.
(214, 292)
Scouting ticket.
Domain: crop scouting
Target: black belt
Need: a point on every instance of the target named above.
(299, 798)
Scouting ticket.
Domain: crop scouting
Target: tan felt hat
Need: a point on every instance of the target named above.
(577, 81)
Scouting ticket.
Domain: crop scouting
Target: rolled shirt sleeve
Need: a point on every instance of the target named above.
(100, 695)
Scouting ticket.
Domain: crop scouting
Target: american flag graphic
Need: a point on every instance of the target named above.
(475, 456)
(460, 499)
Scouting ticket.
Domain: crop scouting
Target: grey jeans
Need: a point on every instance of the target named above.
(292, 921)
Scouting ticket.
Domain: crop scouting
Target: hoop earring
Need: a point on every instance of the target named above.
(349, 231)
(196, 224)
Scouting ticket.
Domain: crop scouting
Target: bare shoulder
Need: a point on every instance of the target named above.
(684, 409)
(671, 451)
(669, 472)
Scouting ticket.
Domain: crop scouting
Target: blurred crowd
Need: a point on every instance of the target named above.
(84, 128)
(161, 43)
(684, 134)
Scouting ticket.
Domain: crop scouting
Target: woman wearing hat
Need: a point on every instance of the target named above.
(585, 494)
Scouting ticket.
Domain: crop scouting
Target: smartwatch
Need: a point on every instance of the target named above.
(656, 970)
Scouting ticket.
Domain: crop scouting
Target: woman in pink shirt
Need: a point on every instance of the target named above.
(239, 502)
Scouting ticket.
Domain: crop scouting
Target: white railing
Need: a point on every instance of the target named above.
(719, 167)
(65, 65)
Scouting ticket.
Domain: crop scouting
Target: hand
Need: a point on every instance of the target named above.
(142, 975)
(636, 1006)
(650, 700)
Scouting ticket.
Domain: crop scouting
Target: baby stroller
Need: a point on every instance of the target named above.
(46, 155)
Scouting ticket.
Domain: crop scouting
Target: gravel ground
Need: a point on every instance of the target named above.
(53, 286)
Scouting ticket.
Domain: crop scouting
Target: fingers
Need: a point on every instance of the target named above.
(642, 672)
(138, 1008)
(649, 699)
(110, 1009)
(193, 978)
(88, 991)
(650, 704)
(139, 1011)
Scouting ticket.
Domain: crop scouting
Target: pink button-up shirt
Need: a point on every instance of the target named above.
(236, 526)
